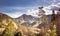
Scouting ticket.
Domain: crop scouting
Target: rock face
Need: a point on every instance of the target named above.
(27, 20)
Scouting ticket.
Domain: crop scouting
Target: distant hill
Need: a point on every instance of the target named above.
(29, 20)
(26, 20)
(8, 24)
(5, 19)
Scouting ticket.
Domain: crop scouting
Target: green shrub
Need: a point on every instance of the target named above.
(9, 30)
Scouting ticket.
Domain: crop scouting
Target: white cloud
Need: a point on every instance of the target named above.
(51, 7)
(55, 6)
(14, 15)
(47, 9)
(32, 12)
(50, 1)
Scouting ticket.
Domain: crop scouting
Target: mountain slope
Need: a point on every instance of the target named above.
(26, 20)
(7, 24)
(11, 27)
(5, 19)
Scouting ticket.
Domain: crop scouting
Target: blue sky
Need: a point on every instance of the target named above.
(22, 3)
(15, 8)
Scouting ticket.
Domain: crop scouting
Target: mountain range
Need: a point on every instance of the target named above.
(27, 20)
(9, 24)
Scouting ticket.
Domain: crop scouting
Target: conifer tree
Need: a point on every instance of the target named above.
(43, 18)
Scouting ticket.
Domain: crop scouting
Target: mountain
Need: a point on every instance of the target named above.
(29, 20)
(8, 24)
(26, 20)
(5, 21)
(11, 27)
(21, 25)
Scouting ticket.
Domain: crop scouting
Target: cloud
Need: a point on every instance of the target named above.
(14, 15)
(55, 6)
(32, 12)
(47, 9)
(52, 1)
(13, 11)
(51, 7)
(18, 11)
(35, 12)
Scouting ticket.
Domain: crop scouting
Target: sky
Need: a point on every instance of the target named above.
(15, 8)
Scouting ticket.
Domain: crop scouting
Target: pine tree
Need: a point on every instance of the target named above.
(43, 19)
